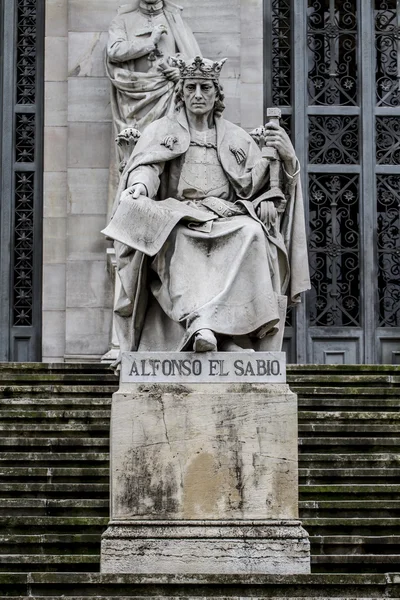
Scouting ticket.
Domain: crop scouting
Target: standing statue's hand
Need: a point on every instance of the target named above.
(172, 73)
(267, 213)
(276, 137)
(158, 31)
(136, 190)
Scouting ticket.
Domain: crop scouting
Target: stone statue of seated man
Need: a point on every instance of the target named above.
(206, 250)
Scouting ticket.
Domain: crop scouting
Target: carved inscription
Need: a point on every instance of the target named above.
(215, 367)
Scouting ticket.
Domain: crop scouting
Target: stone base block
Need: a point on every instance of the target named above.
(206, 547)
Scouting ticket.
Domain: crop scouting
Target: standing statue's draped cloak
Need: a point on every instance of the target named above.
(154, 164)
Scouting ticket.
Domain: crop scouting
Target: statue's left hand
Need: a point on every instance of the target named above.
(276, 137)
(267, 213)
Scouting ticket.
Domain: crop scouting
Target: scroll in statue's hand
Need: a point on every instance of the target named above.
(276, 137)
(267, 213)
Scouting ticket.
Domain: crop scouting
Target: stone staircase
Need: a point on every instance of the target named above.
(54, 482)
(54, 422)
(349, 466)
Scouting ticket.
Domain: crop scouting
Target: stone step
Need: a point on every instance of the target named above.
(73, 507)
(356, 544)
(379, 378)
(52, 458)
(55, 442)
(49, 562)
(20, 523)
(334, 416)
(320, 393)
(355, 428)
(349, 491)
(55, 402)
(315, 403)
(378, 444)
(352, 460)
(53, 474)
(352, 526)
(55, 490)
(59, 415)
(46, 586)
(59, 540)
(349, 563)
(349, 508)
(49, 391)
(65, 377)
(63, 427)
(315, 476)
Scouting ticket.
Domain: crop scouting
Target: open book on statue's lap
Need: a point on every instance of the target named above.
(145, 224)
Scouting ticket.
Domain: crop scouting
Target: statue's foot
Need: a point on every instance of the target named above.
(205, 341)
(228, 345)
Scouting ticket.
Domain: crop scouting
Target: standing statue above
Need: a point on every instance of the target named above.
(207, 252)
(142, 39)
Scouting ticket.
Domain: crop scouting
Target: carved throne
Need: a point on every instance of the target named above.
(126, 142)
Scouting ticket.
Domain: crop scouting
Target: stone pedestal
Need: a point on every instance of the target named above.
(204, 480)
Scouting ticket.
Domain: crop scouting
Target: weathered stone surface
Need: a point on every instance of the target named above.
(86, 54)
(209, 547)
(204, 452)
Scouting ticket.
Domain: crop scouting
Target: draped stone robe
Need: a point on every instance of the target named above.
(185, 263)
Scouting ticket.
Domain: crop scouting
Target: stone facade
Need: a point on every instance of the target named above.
(77, 309)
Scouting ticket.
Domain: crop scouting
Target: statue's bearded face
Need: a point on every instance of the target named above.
(199, 96)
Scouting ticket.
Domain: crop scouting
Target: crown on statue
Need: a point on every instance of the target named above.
(199, 68)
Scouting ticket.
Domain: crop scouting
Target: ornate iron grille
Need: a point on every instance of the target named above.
(388, 140)
(334, 250)
(333, 140)
(346, 95)
(388, 205)
(23, 248)
(25, 180)
(332, 44)
(387, 43)
(26, 51)
(281, 53)
(25, 138)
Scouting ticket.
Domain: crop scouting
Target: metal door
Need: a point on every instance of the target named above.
(335, 72)
(21, 86)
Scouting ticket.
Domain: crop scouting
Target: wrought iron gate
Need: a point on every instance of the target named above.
(21, 81)
(335, 72)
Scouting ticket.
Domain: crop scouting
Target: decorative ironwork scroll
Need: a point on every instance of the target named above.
(388, 212)
(332, 43)
(387, 45)
(281, 52)
(26, 51)
(334, 250)
(23, 248)
(334, 140)
(388, 140)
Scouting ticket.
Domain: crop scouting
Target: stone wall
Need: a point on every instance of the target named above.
(77, 293)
